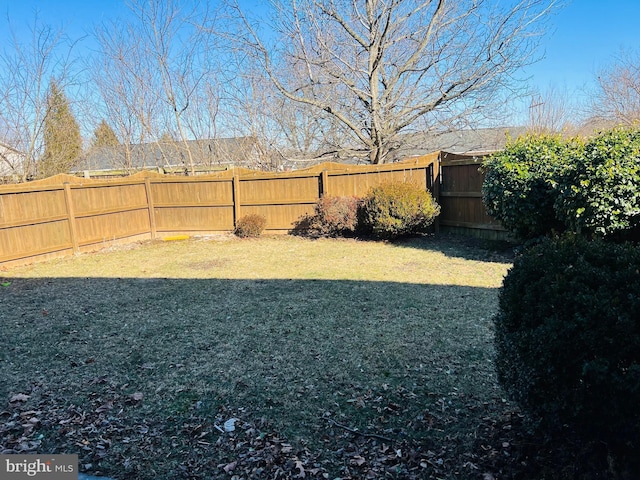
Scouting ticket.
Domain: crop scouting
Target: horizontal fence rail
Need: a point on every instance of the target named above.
(63, 215)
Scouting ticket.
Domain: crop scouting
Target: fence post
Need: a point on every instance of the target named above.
(436, 169)
(236, 200)
(152, 213)
(324, 187)
(72, 218)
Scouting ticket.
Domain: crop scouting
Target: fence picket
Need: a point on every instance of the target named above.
(73, 231)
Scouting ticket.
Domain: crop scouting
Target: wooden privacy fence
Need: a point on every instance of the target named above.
(64, 214)
(459, 193)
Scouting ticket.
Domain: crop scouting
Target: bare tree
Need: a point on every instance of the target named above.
(153, 67)
(552, 110)
(617, 97)
(380, 68)
(33, 59)
(127, 87)
(282, 129)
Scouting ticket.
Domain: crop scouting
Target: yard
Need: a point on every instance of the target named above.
(336, 358)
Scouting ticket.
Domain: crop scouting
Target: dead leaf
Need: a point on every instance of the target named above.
(357, 460)
(105, 407)
(143, 429)
(229, 467)
(300, 467)
(20, 397)
(136, 397)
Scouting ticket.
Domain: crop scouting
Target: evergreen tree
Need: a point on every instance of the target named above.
(104, 136)
(166, 138)
(62, 138)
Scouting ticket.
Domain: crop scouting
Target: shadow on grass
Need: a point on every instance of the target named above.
(135, 374)
(138, 377)
(459, 246)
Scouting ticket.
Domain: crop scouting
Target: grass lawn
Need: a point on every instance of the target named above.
(336, 358)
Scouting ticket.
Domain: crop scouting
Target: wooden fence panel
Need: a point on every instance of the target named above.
(462, 176)
(107, 212)
(467, 212)
(279, 191)
(33, 222)
(460, 197)
(107, 227)
(97, 199)
(281, 200)
(280, 217)
(32, 206)
(193, 204)
(354, 183)
(37, 239)
(194, 219)
(174, 192)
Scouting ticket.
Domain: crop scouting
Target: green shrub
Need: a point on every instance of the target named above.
(520, 183)
(395, 209)
(568, 337)
(600, 194)
(250, 225)
(332, 217)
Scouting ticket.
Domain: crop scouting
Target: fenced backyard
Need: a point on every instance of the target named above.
(337, 358)
(274, 357)
(65, 214)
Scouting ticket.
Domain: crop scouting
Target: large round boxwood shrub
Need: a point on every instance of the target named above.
(396, 209)
(600, 193)
(520, 183)
(568, 336)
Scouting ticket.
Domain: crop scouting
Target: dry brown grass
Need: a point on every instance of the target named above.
(156, 345)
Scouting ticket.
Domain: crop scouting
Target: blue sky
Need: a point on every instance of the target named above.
(584, 35)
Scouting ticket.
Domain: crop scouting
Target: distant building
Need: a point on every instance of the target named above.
(240, 151)
(479, 140)
(468, 142)
(12, 162)
(248, 152)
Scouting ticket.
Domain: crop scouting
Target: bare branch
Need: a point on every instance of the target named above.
(617, 98)
(30, 62)
(158, 75)
(380, 67)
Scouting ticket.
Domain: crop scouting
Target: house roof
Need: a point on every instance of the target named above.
(164, 154)
(459, 141)
(241, 151)
(472, 141)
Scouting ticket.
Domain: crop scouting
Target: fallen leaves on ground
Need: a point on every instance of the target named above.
(111, 439)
